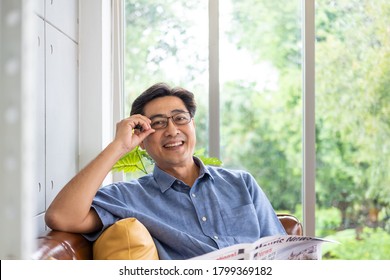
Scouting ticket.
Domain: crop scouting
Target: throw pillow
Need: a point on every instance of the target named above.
(127, 239)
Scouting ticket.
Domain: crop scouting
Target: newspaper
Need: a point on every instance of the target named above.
(280, 247)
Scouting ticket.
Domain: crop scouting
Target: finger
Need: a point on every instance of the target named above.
(142, 134)
(140, 122)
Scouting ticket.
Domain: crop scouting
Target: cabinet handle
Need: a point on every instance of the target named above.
(39, 187)
(39, 41)
(51, 49)
(52, 184)
(51, 2)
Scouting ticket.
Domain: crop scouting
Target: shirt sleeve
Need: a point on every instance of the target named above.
(108, 207)
(268, 220)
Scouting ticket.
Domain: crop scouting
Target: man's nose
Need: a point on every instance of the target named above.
(171, 129)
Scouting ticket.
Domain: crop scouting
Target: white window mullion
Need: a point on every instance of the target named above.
(118, 58)
(309, 156)
(214, 108)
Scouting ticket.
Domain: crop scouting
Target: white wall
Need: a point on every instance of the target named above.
(20, 143)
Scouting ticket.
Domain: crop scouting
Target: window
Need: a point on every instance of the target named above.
(260, 98)
(167, 41)
(261, 95)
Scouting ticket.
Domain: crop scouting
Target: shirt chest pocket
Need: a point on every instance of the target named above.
(241, 221)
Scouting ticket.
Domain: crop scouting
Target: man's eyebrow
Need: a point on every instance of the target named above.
(164, 116)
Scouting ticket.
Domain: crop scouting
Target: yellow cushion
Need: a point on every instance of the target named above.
(127, 239)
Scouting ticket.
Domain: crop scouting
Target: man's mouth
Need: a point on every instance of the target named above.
(173, 144)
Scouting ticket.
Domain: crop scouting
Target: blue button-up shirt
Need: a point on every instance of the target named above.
(222, 208)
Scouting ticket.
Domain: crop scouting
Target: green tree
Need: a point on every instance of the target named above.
(261, 125)
(352, 98)
(159, 47)
(159, 37)
(352, 101)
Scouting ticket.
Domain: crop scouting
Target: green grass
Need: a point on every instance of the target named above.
(374, 244)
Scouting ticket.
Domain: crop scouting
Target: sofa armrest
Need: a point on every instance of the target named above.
(61, 245)
(291, 224)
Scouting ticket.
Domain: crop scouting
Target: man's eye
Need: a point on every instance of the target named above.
(158, 122)
(181, 118)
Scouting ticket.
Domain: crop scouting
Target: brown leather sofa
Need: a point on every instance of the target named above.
(72, 246)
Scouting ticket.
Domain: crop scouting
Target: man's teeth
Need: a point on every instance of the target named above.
(173, 145)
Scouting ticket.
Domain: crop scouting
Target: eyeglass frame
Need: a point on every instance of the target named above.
(173, 120)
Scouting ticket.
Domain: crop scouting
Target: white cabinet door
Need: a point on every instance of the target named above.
(61, 111)
(39, 183)
(63, 14)
(40, 225)
(39, 7)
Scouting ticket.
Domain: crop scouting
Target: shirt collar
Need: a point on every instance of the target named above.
(165, 180)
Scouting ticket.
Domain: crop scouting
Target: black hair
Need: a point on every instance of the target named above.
(162, 90)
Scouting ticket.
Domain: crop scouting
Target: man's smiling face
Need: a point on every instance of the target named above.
(172, 146)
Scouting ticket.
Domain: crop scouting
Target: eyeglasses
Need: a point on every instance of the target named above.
(181, 118)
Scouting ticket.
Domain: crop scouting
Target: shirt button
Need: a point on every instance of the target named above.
(193, 195)
(204, 219)
(215, 237)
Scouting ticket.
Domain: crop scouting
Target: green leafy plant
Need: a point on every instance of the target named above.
(136, 159)
(207, 160)
(133, 161)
